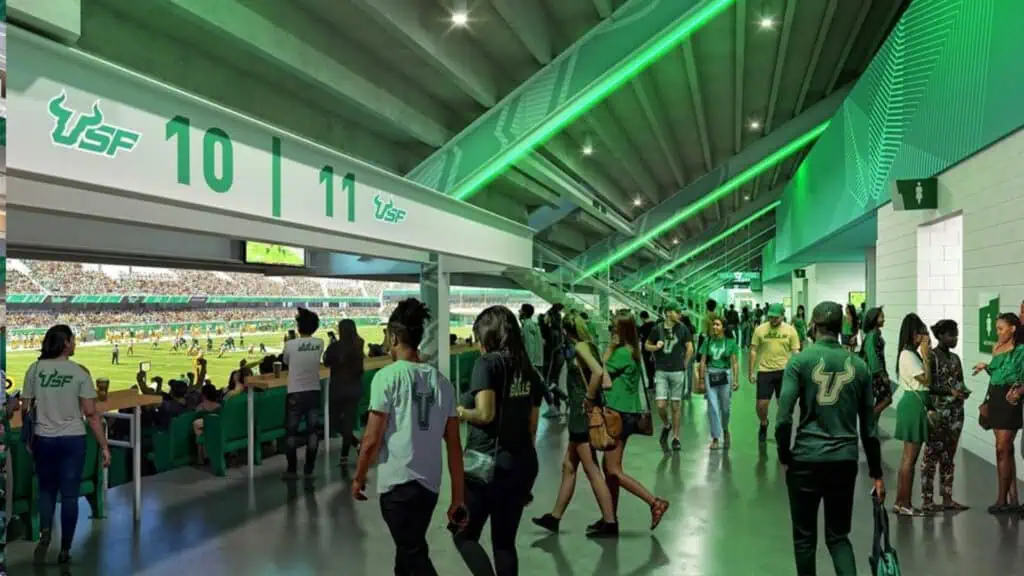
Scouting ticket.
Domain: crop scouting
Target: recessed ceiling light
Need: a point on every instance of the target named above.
(675, 240)
(766, 23)
(746, 196)
(588, 150)
(638, 202)
(460, 18)
(754, 124)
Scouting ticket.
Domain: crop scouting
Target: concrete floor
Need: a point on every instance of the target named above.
(729, 517)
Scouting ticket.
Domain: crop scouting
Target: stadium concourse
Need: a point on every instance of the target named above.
(731, 266)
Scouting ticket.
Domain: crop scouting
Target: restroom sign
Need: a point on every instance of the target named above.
(916, 194)
(988, 313)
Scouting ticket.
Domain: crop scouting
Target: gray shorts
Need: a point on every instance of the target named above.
(669, 385)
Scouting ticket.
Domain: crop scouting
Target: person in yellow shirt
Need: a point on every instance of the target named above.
(770, 349)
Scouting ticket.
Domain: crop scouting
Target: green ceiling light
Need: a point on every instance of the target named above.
(715, 195)
(699, 249)
(724, 254)
(591, 97)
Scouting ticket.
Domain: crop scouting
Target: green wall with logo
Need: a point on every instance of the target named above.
(947, 82)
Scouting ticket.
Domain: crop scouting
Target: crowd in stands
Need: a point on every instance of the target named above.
(81, 319)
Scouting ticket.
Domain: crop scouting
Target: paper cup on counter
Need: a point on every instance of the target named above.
(102, 388)
(277, 369)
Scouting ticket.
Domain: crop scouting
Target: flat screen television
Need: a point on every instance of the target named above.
(274, 254)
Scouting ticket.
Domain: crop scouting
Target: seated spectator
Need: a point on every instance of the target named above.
(209, 403)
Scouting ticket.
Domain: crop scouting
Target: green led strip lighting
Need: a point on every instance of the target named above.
(715, 195)
(590, 98)
(723, 255)
(699, 249)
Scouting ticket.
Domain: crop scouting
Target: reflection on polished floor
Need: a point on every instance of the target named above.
(729, 517)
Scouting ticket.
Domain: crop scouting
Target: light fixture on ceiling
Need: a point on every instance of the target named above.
(588, 150)
(460, 19)
(754, 124)
(638, 202)
(766, 23)
(675, 241)
(746, 197)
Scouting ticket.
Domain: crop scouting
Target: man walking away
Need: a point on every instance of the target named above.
(532, 338)
(302, 357)
(770, 348)
(834, 389)
(672, 345)
(732, 322)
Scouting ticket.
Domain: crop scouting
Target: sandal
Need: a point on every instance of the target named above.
(932, 508)
(713, 445)
(658, 510)
(955, 507)
(905, 511)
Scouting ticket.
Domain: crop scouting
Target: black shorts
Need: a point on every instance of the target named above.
(630, 422)
(769, 383)
(1001, 414)
(579, 438)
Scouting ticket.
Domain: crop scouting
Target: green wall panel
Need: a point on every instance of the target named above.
(947, 82)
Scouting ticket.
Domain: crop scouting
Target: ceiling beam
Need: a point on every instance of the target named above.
(529, 22)
(698, 103)
(738, 244)
(812, 66)
(651, 105)
(604, 8)
(561, 92)
(288, 38)
(602, 122)
(451, 54)
(880, 34)
(741, 55)
(780, 62)
(728, 178)
(848, 47)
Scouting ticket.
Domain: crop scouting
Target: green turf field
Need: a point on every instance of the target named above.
(171, 364)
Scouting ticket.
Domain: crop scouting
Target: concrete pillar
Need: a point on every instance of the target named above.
(434, 291)
(871, 276)
(60, 20)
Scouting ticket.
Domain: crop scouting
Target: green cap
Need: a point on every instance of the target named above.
(827, 314)
(776, 311)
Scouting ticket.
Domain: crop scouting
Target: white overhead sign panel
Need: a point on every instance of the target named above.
(84, 120)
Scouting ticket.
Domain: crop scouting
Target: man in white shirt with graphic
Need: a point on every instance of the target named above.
(302, 357)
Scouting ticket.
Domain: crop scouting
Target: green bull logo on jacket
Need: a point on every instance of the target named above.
(87, 131)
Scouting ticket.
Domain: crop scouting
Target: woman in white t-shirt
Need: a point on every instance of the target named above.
(912, 413)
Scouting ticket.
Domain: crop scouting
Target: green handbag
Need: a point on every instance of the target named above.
(884, 561)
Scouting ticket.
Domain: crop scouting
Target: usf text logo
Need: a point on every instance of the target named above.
(88, 132)
(386, 211)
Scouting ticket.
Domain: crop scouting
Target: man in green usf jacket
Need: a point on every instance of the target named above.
(834, 390)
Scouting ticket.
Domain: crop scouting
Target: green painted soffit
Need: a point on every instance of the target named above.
(947, 82)
(699, 249)
(692, 210)
(610, 55)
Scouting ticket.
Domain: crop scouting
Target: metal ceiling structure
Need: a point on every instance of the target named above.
(698, 113)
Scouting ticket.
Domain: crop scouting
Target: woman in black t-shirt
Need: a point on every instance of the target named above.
(506, 394)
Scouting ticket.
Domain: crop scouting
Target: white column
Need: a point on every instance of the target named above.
(434, 291)
(871, 276)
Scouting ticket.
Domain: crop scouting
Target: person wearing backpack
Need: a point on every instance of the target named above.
(834, 389)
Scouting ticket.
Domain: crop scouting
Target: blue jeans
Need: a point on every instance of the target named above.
(719, 403)
(59, 464)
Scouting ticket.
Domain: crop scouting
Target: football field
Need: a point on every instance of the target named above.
(171, 365)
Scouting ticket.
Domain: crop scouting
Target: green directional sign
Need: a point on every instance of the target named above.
(916, 194)
(988, 313)
(739, 277)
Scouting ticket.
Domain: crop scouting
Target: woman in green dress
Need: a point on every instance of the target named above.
(872, 350)
(583, 381)
(913, 368)
(800, 324)
(622, 360)
(1002, 406)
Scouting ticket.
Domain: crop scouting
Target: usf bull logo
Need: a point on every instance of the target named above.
(831, 384)
(387, 211)
(87, 131)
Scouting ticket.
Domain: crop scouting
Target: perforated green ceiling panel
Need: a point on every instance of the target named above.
(947, 82)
